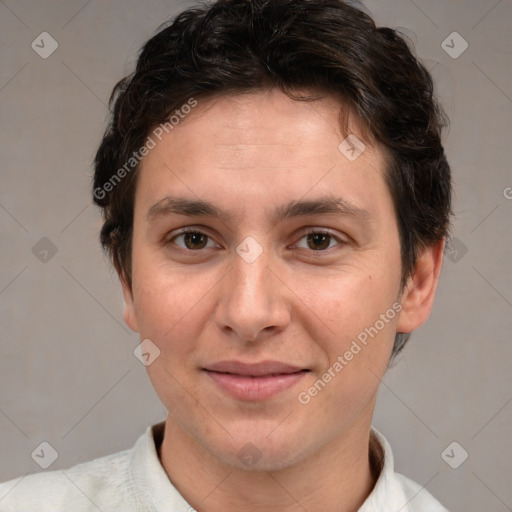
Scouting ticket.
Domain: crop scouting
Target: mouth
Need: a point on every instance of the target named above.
(254, 381)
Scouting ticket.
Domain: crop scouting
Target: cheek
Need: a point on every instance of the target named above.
(358, 345)
(356, 341)
(346, 304)
(171, 314)
(167, 303)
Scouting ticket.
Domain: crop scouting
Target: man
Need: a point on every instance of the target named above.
(276, 200)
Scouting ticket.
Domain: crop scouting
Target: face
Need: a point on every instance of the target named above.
(291, 257)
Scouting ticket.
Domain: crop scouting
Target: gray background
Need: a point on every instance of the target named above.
(68, 375)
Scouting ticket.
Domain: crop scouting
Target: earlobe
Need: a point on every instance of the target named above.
(418, 296)
(129, 313)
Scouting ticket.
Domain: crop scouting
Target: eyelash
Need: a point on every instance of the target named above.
(324, 232)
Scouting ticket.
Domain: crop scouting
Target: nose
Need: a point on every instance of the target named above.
(254, 302)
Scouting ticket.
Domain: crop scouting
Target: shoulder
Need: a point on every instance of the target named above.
(86, 486)
(418, 498)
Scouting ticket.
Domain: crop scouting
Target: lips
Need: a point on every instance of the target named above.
(254, 381)
(264, 368)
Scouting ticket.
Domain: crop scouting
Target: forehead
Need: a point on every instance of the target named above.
(268, 117)
(256, 145)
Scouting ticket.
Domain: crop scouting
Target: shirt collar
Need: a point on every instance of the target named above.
(151, 481)
(149, 477)
(387, 489)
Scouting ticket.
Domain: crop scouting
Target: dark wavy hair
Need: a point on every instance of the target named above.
(330, 47)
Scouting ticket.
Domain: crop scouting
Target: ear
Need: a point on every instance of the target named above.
(129, 313)
(418, 296)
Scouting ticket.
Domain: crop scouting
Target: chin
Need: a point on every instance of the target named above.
(259, 453)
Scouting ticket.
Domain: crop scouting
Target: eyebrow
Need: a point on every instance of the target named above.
(178, 205)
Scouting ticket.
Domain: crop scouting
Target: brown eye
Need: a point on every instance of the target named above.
(195, 240)
(192, 240)
(319, 241)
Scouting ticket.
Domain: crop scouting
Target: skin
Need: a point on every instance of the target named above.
(199, 302)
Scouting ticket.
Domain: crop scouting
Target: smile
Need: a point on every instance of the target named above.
(254, 381)
(250, 387)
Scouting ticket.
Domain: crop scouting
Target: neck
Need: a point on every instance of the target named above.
(337, 478)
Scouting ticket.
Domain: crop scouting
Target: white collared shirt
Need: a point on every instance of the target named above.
(135, 481)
